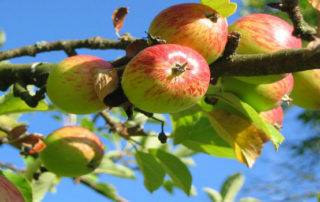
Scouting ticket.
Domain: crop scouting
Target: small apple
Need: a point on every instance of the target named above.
(70, 86)
(166, 78)
(306, 92)
(261, 97)
(72, 151)
(194, 25)
(9, 192)
(263, 33)
(273, 117)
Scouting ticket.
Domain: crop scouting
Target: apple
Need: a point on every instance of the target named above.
(70, 85)
(273, 117)
(261, 97)
(306, 92)
(166, 78)
(194, 25)
(9, 192)
(72, 151)
(263, 33)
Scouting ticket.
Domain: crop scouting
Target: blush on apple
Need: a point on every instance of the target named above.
(72, 151)
(263, 33)
(9, 192)
(194, 25)
(166, 78)
(70, 86)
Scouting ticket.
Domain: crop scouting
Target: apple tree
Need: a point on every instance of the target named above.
(220, 87)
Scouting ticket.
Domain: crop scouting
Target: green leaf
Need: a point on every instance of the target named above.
(183, 151)
(21, 183)
(251, 115)
(249, 199)
(11, 104)
(214, 195)
(107, 166)
(223, 7)
(108, 189)
(152, 171)
(2, 38)
(176, 169)
(88, 123)
(41, 186)
(168, 185)
(193, 129)
(231, 187)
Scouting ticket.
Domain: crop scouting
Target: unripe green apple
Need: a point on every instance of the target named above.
(194, 25)
(166, 78)
(306, 91)
(263, 33)
(70, 85)
(72, 151)
(9, 192)
(261, 97)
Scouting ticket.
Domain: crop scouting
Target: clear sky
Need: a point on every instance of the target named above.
(28, 22)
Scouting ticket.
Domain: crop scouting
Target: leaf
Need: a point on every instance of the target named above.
(214, 195)
(2, 38)
(108, 189)
(33, 141)
(21, 183)
(11, 104)
(118, 17)
(192, 129)
(245, 110)
(176, 169)
(152, 171)
(240, 134)
(107, 166)
(135, 47)
(223, 7)
(315, 4)
(106, 81)
(42, 185)
(249, 199)
(231, 187)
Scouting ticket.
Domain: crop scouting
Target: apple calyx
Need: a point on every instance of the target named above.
(178, 69)
(212, 16)
(286, 99)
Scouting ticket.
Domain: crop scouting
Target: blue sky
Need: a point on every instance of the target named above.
(28, 22)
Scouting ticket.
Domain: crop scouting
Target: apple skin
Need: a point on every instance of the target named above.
(273, 117)
(306, 92)
(187, 24)
(9, 192)
(263, 33)
(150, 82)
(261, 97)
(70, 86)
(72, 151)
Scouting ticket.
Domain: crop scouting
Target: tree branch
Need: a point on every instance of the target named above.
(68, 46)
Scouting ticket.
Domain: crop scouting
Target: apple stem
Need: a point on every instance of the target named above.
(178, 68)
(212, 16)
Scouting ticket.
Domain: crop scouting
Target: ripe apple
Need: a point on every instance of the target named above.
(194, 25)
(261, 97)
(70, 86)
(9, 192)
(166, 78)
(273, 117)
(72, 151)
(306, 92)
(263, 33)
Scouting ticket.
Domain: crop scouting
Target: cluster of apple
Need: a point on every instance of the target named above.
(171, 77)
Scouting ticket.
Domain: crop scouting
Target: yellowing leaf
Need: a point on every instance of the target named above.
(118, 17)
(224, 7)
(315, 4)
(239, 133)
(106, 81)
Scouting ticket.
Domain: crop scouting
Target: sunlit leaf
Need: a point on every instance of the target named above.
(176, 169)
(152, 171)
(249, 199)
(231, 187)
(214, 195)
(192, 129)
(11, 104)
(223, 7)
(41, 186)
(21, 183)
(2, 38)
(107, 166)
(108, 190)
